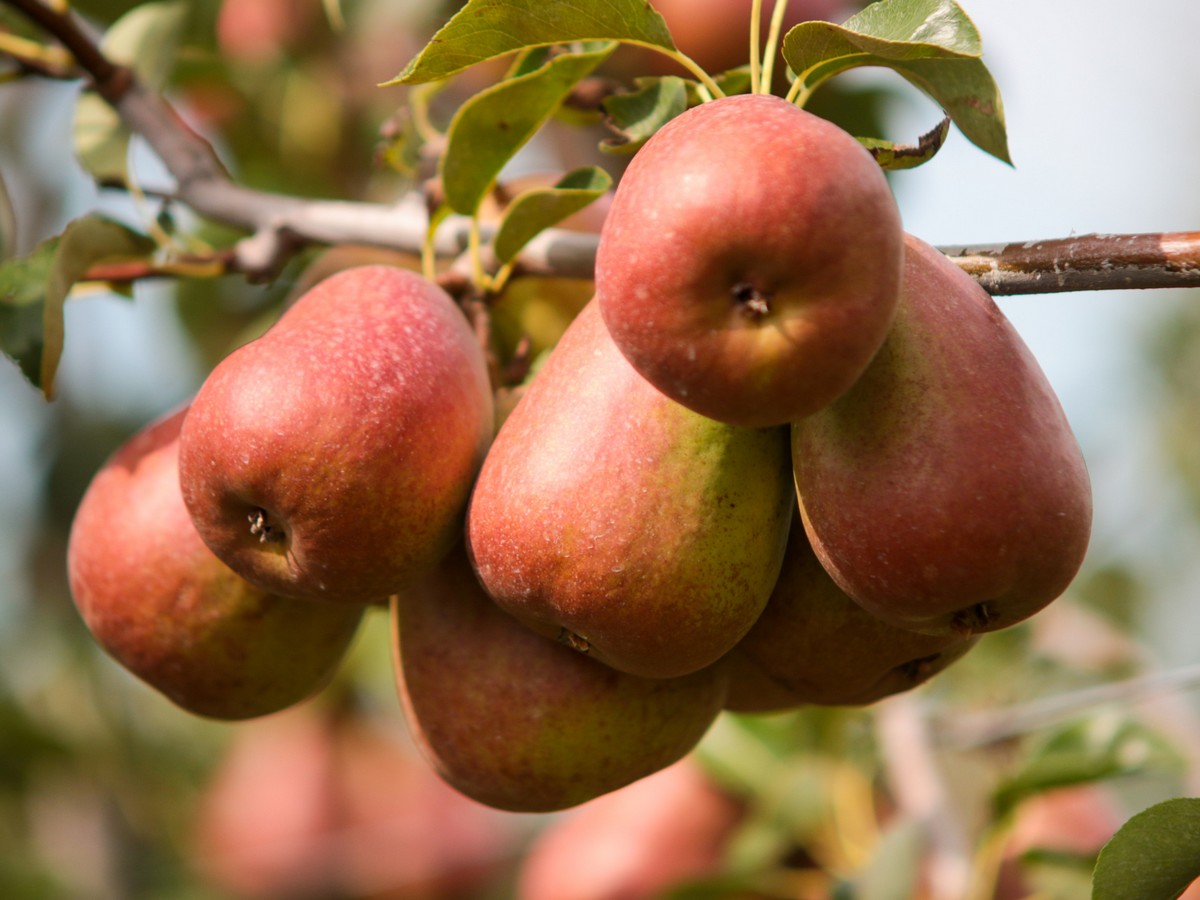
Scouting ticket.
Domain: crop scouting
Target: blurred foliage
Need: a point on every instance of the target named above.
(102, 781)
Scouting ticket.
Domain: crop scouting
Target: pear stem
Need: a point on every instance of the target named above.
(756, 47)
(771, 51)
(708, 86)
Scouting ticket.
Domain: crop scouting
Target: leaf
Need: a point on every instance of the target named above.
(405, 137)
(887, 30)
(966, 91)
(34, 289)
(533, 211)
(492, 126)
(1154, 855)
(636, 115)
(931, 43)
(1088, 751)
(8, 224)
(146, 39)
(485, 29)
(731, 81)
(22, 286)
(904, 156)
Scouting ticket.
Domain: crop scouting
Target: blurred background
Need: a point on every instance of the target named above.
(108, 791)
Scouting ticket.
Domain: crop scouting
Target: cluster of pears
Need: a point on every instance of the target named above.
(786, 455)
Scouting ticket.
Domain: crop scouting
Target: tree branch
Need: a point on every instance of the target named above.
(959, 731)
(1090, 262)
(919, 789)
(279, 225)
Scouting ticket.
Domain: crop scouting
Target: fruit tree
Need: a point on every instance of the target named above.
(570, 471)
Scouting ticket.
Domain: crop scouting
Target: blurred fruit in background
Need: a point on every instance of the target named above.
(636, 843)
(325, 802)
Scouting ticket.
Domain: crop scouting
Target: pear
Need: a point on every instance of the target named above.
(332, 458)
(161, 604)
(672, 828)
(946, 490)
(814, 645)
(522, 723)
(750, 264)
(623, 524)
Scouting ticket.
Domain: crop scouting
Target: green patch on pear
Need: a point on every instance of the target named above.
(610, 517)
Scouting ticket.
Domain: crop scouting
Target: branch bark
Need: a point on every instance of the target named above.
(963, 731)
(918, 787)
(1090, 262)
(279, 225)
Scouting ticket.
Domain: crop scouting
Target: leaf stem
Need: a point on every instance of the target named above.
(32, 53)
(707, 84)
(502, 276)
(479, 275)
(799, 93)
(772, 50)
(756, 47)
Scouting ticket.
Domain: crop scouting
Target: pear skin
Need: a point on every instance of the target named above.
(623, 524)
(522, 723)
(161, 604)
(946, 491)
(750, 264)
(814, 645)
(332, 458)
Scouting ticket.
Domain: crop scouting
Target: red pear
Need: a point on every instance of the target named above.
(522, 723)
(945, 490)
(610, 517)
(332, 458)
(814, 645)
(750, 264)
(160, 603)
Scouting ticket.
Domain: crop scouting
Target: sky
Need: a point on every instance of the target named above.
(1101, 103)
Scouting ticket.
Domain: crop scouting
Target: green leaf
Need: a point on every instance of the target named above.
(145, 39)
(905, 24)
(485, 29)
(1088, 751)
(636, 115)
(731, 81)
(409, 130)
(1154, 855)
(931, 43)
(904, 156)
(492, 126)
(535, 210)
(8, 224)
(101, 140)
(22, 293)
(34, 289)
(967, 92)
(888, 30)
